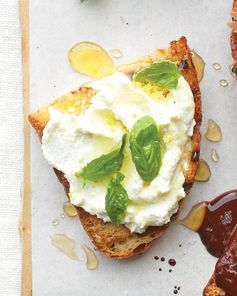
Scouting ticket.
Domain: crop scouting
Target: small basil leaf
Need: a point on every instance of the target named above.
(116, 200)
(103, 166)
(145, 148)
(164, 74)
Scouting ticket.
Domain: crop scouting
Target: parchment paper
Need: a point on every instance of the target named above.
(135, 27)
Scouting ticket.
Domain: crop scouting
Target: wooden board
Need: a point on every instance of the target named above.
(25, 220)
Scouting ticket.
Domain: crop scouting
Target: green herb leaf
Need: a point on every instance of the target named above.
(164, 74)
(103, 166)
(146, 148)
(116, 200)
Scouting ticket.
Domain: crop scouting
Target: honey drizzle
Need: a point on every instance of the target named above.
(92, 261)
(203, 172)
(65, 244)
(213, 132)
(90, 59)
(199, 65)
(116, 53)
(214, 155)
(69, 209)
(195, 218)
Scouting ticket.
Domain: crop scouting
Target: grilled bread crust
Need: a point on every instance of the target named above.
(233, 38)
(116, 241)
(212, 289)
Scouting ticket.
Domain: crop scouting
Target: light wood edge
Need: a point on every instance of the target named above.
(25, 220)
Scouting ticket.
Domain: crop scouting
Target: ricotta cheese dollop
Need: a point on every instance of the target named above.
(71, 140)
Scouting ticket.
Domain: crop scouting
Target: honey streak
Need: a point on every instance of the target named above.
(90, 59)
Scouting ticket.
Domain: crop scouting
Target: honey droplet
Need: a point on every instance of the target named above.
(216, 66)
(213, 132)
(195, 217)
(69, 209)
(64, 244)
(233, 71)
(203, 172)
(116, 53)
(90, 59)
(91, 259)
(223, 82)
(62, 215)
(199, 64)
(55, 222)
(214, 155)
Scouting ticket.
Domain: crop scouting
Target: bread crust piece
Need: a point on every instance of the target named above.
(212, 290)
(233, 38)
(116, 241)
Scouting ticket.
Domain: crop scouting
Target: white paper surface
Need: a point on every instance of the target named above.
(135, 27)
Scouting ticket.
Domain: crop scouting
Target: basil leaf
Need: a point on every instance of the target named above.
(103, 166)
(164, 74)
(146, 148)
(116, 200)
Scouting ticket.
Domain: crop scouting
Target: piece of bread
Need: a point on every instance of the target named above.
(233, 38)
(212, 290)
(117, 241)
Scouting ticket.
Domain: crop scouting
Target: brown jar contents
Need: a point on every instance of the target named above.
(219, 222)
(226, 268)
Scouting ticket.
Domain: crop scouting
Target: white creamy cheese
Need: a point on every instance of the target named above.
(70, 141)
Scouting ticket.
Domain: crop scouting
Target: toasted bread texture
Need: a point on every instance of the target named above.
(117, 241)
(212, 290)
(233, 38)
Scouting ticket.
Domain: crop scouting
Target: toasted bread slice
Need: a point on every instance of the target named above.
(233, 38)
(117, 241)
(212, 290)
